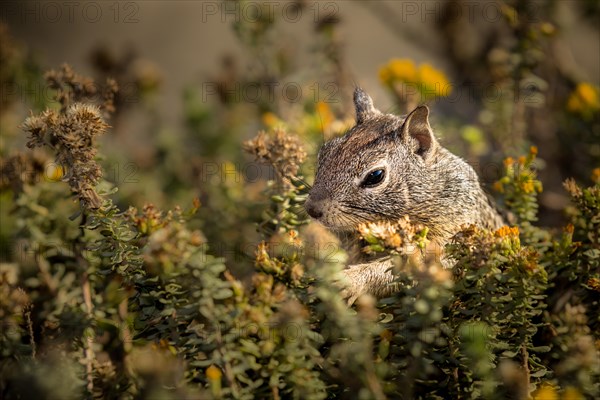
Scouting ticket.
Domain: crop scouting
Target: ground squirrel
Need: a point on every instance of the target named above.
(387, 167)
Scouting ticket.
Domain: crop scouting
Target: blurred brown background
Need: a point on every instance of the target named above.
(185, 39)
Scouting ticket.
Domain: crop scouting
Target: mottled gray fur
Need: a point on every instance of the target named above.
(421, 179)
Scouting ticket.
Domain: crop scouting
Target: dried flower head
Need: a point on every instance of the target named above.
(149, 220)
(70, 86)
(73, 88)
(396, 236)
(572, 187)
(282, 151)
(109, 94)
(71, 134)
(37, 127)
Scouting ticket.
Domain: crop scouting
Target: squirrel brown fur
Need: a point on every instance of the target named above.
(387, 167)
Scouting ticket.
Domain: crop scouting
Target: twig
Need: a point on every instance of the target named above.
(127, 336)
(89, 341)
(27, 315)
(525, 363)
(89, 306)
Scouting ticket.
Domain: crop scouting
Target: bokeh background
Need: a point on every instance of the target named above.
(185, 40)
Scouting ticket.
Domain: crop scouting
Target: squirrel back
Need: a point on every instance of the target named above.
(387, 167)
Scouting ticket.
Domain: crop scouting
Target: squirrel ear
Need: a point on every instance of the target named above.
(364, 106)
(416, 131)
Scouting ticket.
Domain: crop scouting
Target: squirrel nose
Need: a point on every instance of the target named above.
(313, 209)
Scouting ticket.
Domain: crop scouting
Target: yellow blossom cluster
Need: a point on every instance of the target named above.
(507, 231)
(324, 121)
(321, 122)
(548, 392)
(520, 171)
(429, 81)
(392, 235)
(397, 69)
(585, 99)
(433, 82)
(510, 242)
(270, 120)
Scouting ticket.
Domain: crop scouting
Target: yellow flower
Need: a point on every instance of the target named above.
(588, 93)
(505, 231)
(433, 82)
(403, 70)
(548, 29)
(54, 172)
(430, 81)
(528, 186)
(584, 99)
(546, 392)
(569, 229)
(213, 373)
(596, 175)
(270, 119)
(324, 113)
(498, 187)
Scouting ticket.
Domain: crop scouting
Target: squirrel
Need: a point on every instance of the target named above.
(387, 167)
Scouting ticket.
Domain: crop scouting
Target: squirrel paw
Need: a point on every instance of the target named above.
(353, 285)
(373, 278)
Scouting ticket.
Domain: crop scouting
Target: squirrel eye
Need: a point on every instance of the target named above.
(374, 178)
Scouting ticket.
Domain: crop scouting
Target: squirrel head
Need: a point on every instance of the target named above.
(378, 170)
